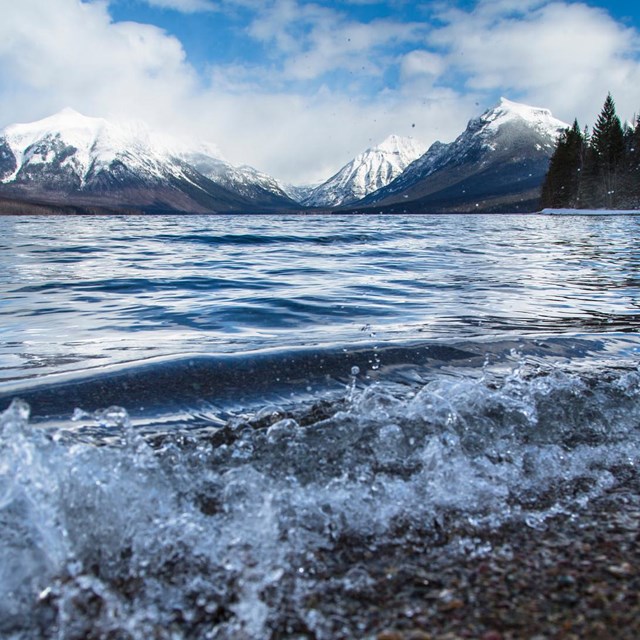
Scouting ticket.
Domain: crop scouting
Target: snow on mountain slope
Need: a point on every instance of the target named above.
(69, 153)
(299, 193)
(368, 172)
(74, 159)
(245, 180)
(511, 138)
(79, 147)
(537, 118)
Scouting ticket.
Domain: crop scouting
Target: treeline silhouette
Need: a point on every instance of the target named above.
(596, 170)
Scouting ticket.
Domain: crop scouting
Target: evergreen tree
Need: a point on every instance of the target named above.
(588, 188)
(597, 170)
(561, 186)
(632, 167)
(608, 144)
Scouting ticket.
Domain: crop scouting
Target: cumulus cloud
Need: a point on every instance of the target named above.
(563, 55)
(70, 53)
(422, 63)
(347, 48)
(327, 85)
(309, 41)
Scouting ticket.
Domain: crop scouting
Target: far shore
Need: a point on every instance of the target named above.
(590, 212)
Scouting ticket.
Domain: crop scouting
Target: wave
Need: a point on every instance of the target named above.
(158, 386)
(253, 239)
(237, 528)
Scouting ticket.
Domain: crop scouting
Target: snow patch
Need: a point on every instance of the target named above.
(590, 212)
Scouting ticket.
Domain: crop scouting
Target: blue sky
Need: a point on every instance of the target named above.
(297, 88)
(219, 36)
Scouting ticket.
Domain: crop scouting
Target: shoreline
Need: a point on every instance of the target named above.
(589, 212)
(575, 577)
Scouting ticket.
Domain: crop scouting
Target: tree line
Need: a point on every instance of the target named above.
(596, 170)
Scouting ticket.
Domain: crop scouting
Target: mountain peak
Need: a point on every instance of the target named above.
(506, 105)
(508, 110)
(367, 172)
(509, 145)
(72, 125)
(399, 144)
(64, 119)
(69, 111)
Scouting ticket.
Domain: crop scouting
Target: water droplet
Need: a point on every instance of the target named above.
(112, 417)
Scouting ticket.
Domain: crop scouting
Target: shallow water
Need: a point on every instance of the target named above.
(220, 404)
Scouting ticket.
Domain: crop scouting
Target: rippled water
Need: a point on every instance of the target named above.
(228, 415)
(81, 292)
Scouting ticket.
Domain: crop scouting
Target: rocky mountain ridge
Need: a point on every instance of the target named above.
(72, 158)
(367, 172)
(497, 164)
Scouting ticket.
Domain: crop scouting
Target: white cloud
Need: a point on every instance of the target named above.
(504, 8)
(307, 41)
(287, 114)
(345, 47)
(308, 138)
(67, 53)
(422, 63)
(70, 53)
(563, 55)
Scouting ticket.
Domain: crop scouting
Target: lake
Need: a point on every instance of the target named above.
(208, 407)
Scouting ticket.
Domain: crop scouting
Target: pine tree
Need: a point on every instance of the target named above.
(597, 170)
(607, 142)
(561, 186)
(632, 166)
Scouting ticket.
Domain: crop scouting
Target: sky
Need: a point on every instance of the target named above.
(297, 88)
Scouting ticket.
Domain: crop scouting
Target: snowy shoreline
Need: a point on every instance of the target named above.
(590, 212)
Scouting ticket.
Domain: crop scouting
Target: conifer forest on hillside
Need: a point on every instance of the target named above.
(596, 170)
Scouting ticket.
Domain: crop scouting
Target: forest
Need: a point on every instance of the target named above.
(598, 169)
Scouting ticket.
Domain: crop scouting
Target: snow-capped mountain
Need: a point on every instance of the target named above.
(69, 157)
(371, 170)
(244, 180)
(498, 162)
(299, 193)
(71, 149)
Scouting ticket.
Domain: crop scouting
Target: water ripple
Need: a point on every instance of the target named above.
(165, 284)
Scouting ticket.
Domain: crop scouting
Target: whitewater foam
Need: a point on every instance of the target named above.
(221, 533)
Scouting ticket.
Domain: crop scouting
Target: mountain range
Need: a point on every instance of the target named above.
(73, 159)
(72, 163)
(497, 164)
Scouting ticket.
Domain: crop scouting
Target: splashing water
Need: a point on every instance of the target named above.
(234, 532)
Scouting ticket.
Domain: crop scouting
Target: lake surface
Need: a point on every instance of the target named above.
(218, 403)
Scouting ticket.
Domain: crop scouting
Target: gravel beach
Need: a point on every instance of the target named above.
(575, 576)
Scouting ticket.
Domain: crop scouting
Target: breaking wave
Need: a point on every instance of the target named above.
(240, 528)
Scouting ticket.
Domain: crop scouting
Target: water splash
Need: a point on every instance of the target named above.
(228, 533)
